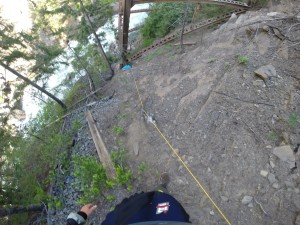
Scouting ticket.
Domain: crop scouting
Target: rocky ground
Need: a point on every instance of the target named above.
(237, 130)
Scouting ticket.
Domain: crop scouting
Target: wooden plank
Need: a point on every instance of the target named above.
(100, 146)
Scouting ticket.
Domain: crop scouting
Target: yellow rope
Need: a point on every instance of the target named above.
(180, 159)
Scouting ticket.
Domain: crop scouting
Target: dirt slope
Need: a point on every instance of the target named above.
(225, 121)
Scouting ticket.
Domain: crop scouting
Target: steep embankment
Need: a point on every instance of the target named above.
(226, 122)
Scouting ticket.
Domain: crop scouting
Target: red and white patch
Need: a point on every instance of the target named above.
(162, 208)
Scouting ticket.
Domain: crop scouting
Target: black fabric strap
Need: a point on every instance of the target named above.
(83, 214)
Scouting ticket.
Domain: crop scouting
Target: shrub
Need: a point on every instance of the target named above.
(293, 120)
(243, 60)
(124, 175)
(118, 130)
(90, 178)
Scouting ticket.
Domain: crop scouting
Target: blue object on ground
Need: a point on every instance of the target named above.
(126, 67)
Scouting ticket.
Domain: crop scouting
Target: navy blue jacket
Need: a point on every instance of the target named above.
(146, 208)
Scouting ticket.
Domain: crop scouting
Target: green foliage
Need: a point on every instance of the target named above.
(122, 116)
(210, 10)
(124, 175)
(89, 60)
(55, 203)
(76, 125)
(74, 93)
(293, 120)
(38, 150)
(162, 21)
(110, 198)
(272, 136)
(142, 168)
(118, 130)
(90, 178)
(118, 156)
(243, 60)
(65, 19)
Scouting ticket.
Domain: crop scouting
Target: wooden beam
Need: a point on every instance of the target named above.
(126, 6)
(100, 146)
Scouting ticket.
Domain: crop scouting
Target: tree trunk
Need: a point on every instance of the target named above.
(15, 210)
(100, 48)
(34, 85)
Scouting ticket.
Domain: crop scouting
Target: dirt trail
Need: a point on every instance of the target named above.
(224, 120)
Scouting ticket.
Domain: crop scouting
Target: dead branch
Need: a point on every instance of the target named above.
(261, 207)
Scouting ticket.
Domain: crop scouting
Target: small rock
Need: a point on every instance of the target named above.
(264, 173)
(250, 205)
(272, 179)
(285, 137)
(211, 212)
(224, 198)
(286, 154)
(247, 199)
(272, 164)
(208, 170)
(268, 146)
(296, 190)
(275, 117)
(265, 72)
(278, 34)
(289, 184)
(266, 28)
(275, 185)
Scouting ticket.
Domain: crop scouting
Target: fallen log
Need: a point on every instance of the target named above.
(100, 146)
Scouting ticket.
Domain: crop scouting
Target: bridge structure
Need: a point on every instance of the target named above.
(124, 20)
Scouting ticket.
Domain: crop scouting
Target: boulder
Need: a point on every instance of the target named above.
(286, 154)
(266, 72)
